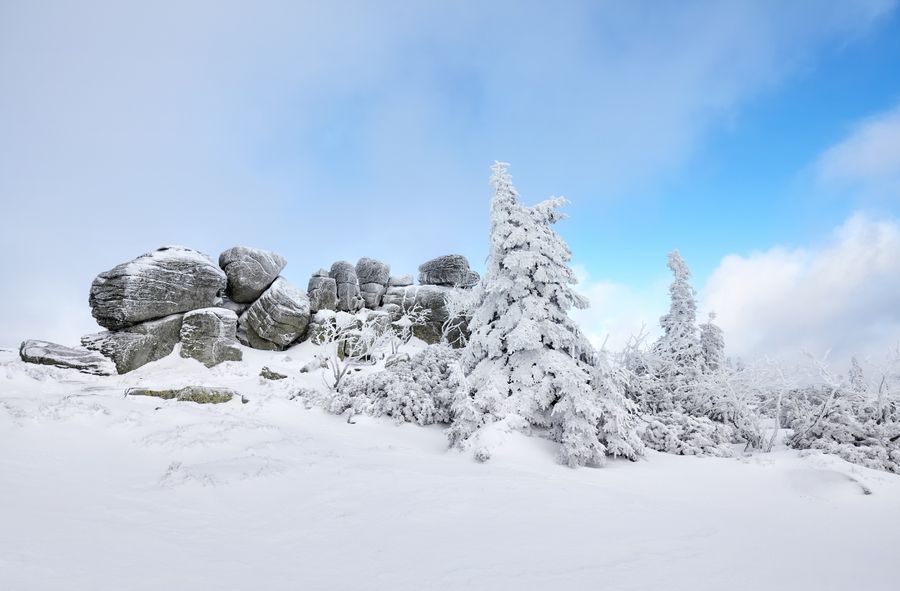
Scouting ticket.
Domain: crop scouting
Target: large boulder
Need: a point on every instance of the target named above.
(47, 353)
(344, 275)
(139, 344)
(372, 271)
(404, 296)
(322, 292)
(451, 270)
(170, 280)
(371, 294)
(280, 315)
(250, 271)
(400, 280)
(208, 335)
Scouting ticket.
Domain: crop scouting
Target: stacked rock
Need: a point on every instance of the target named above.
(373, 279)
(278, 318)
(208, 335)
(451, 270)
(322, 292)
(344, 275)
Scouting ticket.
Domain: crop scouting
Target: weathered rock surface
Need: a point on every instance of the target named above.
(139, 344)
(400, 280)
(198, 394)
(167, 281)
(344, 274)
(450, 270)
(372, 271)
(371, 294)
(322, 292)
(229, 304)
(472, 279)
(280, 315)
(250, 271)
(209, 336)
(47, 353)
(404, 297)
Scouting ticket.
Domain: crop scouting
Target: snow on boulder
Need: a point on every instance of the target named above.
(404, 296)
(47, 353)
(208, 335)
(166, 281)
(344, 275)
(137, 345)
(280, 316)
(372, 271)
(322, 292)
(449, 270)
(400, 280)
(371, 294)
(250, 271)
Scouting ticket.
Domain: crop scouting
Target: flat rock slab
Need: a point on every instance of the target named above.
(170, 280)
(250, 271)
(198, 394)
(451, 270)
(47, 353)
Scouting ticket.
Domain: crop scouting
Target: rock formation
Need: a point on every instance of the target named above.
(167, 281)
(250, 272)
(451, 270)
(322, 292)
(344, 275)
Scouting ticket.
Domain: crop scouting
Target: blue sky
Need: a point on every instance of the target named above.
(347, 129)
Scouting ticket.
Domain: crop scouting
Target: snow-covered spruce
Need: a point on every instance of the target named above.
(527, 364)
(691, 400)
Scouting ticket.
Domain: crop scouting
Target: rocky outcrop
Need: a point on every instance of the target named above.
(139, 344)
(208, 335)
(280, 316)
(450, 271)
(250, 271)
(404, 297)
(344, 275)
(47, 353)
(322, 292)
(167, 281)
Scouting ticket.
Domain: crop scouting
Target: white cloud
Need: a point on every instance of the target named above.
(869, 156)
(843, 295)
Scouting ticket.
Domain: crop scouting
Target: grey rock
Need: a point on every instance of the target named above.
(434, 299)
(198, 394)
(450, 270)
(321, 273)
(322, 292)
(472, 279)
(209, 336)
(248, 337)
(396, 358)
(269, 374)
(250, 271)
(169, 280)
(400, 280)
(371, 294)
(280, 315)
(404, 297)
(139, 344)
(380, 320)
(236, 307)
(47, 353)
(372, 271)
(393, 310)
(344, 274)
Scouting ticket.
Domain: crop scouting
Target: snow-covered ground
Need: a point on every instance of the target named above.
(99, 491)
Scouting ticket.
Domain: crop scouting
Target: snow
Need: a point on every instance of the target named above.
(99, 491)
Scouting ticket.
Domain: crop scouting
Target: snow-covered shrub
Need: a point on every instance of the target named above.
(527, 365)
(418, 390)
(678, 433)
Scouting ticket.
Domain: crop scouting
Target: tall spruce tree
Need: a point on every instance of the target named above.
(526, 361)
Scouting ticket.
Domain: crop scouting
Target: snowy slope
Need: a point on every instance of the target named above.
(99, 491)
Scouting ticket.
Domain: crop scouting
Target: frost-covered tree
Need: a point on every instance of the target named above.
(712, 345)
(679, 344)
(526, 362)
(856, 377)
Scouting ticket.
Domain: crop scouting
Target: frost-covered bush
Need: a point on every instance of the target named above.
(418, 390)
(678, 433)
